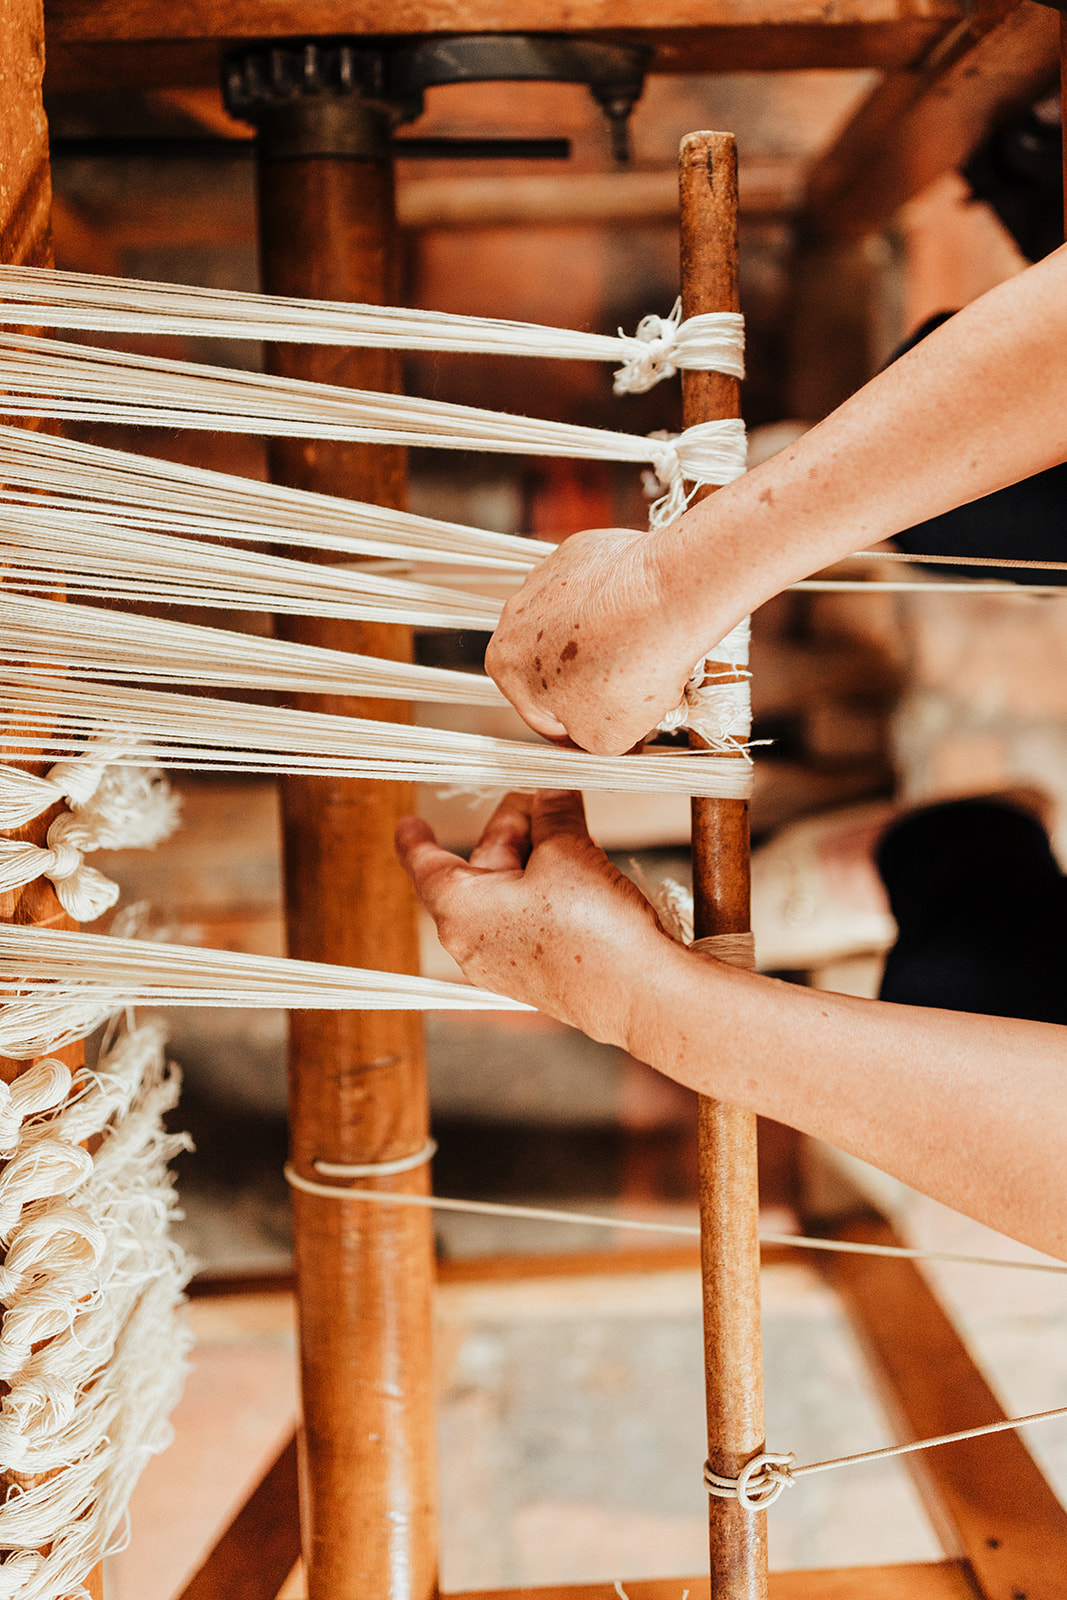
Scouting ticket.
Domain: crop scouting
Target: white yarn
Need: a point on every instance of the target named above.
(57, 717)
(114, 808)
(90, 1349)
(150, 565)
(121, 645)
(49, 299)
(48, 378)
(58, 986)
(126, 491)
(717, 703)
(713, 342)
(128, 648)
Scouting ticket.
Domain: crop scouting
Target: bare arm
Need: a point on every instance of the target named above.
(601, 638)
(971, 1110)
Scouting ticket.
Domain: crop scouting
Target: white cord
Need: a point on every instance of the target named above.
(43, 297)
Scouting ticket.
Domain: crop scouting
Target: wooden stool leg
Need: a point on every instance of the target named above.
(729, 1203)
(357, 1080)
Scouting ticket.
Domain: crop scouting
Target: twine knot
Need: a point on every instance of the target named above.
(649, 355)
(66, 860)
(758, 1484)
(710, 452)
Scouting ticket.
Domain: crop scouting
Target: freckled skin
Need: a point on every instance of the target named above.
(572, 937)
(569, 651)
(980, 403)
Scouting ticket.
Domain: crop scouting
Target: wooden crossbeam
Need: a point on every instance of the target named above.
(93, 43)
(926, 120)
(260, 1547)
(940, 1580)
(997, 1504)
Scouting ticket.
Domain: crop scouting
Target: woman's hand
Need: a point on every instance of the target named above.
(591, 646)
(540, 914)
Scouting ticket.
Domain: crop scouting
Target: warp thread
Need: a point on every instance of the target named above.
(48, 378)
(43, 297)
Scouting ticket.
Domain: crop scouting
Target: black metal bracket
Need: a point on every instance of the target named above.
(217, 147)
(393, 75)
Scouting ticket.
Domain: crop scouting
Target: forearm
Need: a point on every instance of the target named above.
(980, 403)
(969, 1109)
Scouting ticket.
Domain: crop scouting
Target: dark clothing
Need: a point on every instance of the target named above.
(981, 907)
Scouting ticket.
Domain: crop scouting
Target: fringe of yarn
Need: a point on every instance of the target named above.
(92, 1349)
(112, 807)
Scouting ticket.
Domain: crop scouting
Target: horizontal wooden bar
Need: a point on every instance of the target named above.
(257, 1552)
(96, 20)
(1002, 1512)
(921, 122)
(942, 1580)
(584, 199)
(109, 43)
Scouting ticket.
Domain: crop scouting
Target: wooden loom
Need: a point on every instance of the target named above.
(358, 1085)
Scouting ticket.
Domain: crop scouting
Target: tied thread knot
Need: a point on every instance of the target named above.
(707, 453)
(758, 1484)
(710, 342)
(656, 339)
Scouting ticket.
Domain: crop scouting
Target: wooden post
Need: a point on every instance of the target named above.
(729, 1195)
(357, 1080)
(26, 240)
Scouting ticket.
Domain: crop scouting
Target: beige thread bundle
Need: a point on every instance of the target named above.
(661, 346)
(50, 378)
(91, 1349)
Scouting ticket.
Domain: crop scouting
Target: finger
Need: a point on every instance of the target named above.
(431, 869)
(505, 842)
(513, 684)
(535, 715)
(555, 812)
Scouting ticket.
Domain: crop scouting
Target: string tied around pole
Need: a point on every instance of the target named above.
(660, 345)
(758, 1484)
(709, 453)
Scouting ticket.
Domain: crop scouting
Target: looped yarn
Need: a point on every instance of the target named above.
(712, 342)
(114, 807)
(655, 338)
(709, 453)
(41, 1087)
(17, 1569)
(758, 1484)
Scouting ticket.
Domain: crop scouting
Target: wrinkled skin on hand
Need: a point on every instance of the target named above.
(540, 913)
(589, 647)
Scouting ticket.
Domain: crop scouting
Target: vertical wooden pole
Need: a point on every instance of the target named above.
(26, 240)
(357, 1080)
(729, 1194)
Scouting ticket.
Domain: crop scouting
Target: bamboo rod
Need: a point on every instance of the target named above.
(357, 1080)
(729, 1193)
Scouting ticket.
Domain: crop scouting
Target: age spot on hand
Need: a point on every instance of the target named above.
(569, 651)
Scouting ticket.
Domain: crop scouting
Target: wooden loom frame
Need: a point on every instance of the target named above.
(1011, 1529)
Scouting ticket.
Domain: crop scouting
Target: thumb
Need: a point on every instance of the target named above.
(431, 869)
(555, 812)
